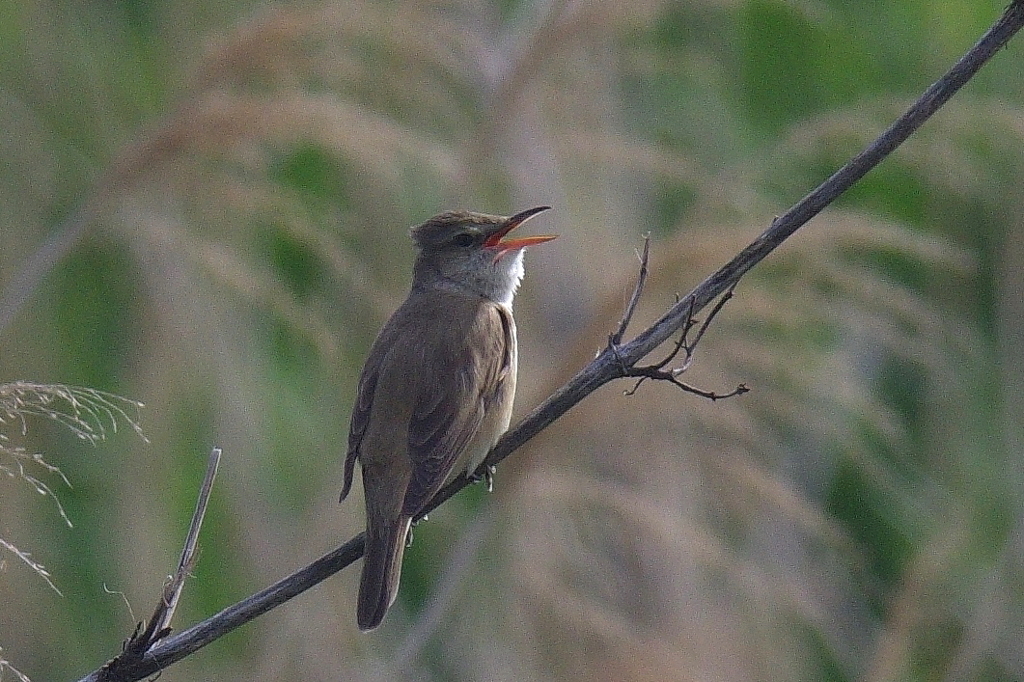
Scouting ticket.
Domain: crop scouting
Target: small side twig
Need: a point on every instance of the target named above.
(616, 338)
(159, 624)
(172, 591)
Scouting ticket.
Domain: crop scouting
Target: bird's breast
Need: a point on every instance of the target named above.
(497, 407)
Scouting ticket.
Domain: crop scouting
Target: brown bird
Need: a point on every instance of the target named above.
(437, 389)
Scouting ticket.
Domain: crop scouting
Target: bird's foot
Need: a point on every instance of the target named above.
(487, 476)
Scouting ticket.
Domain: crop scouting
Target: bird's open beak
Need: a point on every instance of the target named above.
(503, 247)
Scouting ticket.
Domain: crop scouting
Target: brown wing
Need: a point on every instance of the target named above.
(386, 339)
(467, 366)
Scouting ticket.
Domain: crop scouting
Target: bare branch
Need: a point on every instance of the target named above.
(607, 366)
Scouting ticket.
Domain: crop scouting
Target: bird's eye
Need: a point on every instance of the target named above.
(464, 239)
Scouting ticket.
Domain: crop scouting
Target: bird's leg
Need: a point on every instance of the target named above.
(487, 476)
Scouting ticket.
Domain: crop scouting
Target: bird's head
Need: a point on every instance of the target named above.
(467, 252)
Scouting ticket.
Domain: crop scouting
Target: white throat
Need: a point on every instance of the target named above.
(507, 289)
(495, 281)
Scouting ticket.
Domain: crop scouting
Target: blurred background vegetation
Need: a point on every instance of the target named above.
(205, 206)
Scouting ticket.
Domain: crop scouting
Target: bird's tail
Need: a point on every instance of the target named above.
(382, 568)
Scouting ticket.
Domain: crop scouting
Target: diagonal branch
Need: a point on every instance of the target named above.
(608, 365)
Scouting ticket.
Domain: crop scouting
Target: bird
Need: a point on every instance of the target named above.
(437, 388)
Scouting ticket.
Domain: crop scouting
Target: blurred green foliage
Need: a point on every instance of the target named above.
(250, 173)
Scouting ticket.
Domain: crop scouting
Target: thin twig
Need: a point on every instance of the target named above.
(172, 593)
(641, 279)
(605, 367)
(659, 375)
(711, 316)
(143, 640)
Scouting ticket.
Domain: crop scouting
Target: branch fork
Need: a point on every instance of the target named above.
(683, 344)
